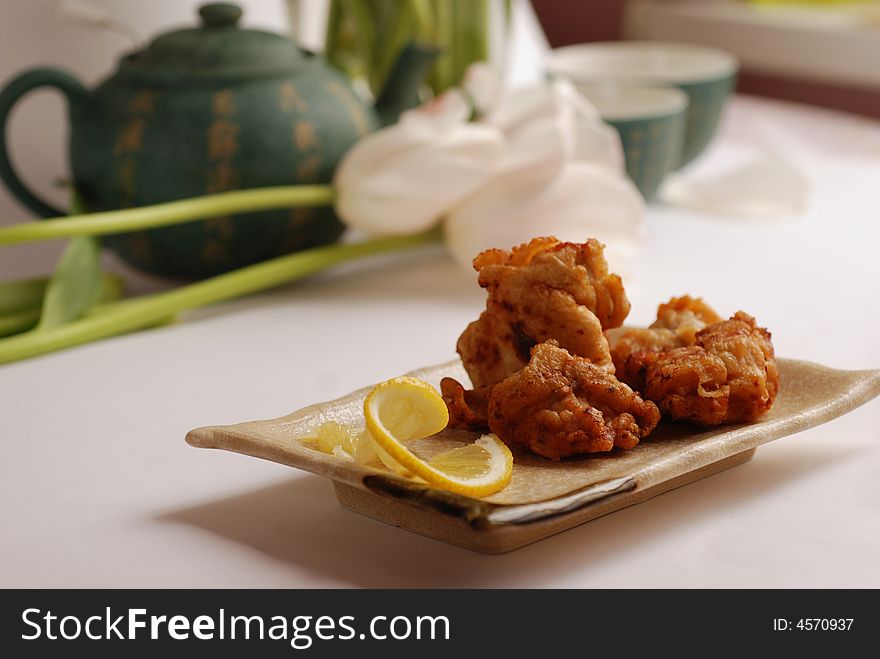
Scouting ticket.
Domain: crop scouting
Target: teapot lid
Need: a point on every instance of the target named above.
(217, 49)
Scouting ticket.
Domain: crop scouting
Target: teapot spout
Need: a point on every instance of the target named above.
(401, 91)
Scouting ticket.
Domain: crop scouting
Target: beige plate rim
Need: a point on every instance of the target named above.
(261, 439)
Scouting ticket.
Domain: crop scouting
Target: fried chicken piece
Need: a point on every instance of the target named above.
(685, 383)
(561, 405)
(628, 341)
(677, 324)
(467, 409)
(542, 290)
(729, 374)
(491, 348)
(696, 366)
(685, 316)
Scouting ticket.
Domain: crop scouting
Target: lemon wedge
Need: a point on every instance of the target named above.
(336, 439)
(475, 470)
(405, 409)
(332, 436)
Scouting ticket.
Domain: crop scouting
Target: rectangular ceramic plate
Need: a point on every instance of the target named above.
(544, 497)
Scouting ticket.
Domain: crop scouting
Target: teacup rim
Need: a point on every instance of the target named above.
(717, 64)
(675, 101)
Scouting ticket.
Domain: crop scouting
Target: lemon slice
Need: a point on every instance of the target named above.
(332, 436)
(347, 443)
(405, 409)
(475, 470)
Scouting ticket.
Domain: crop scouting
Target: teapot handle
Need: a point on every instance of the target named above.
(73, 91)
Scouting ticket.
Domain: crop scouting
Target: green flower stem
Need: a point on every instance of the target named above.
(173, 212)
(423, 20)
(396, 34)
(139, 313)
(444, 76)
(20, 321)
(479, 25)
(21, 295)
(364, 37)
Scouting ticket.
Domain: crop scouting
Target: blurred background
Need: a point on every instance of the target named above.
(822, 53)
(52, 33)
(773, 209)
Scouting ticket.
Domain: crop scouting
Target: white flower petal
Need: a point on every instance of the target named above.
(599, 144)
(584, 201)
(547, 125)
(422, 127)
(483, 85)
(569, 95)
(410, 189)
(536, 150)
(403, 178)
(593, 140)
(519, 106)
(538, 156)
(445, 112)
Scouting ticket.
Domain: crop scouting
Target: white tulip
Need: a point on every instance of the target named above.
(536, 161)
(583, 201)
(482, 84)
(403, 179)
(545, 125)
(561, 174)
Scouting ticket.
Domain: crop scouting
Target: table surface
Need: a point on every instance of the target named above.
(98, 488)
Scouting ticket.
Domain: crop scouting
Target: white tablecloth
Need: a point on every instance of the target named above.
(98, 488)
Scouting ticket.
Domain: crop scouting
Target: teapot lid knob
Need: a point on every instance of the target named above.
(220, 14)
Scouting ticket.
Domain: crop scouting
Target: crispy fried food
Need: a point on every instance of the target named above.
(555, 373)
(677, 324)
(561, 405)
(685, 316)
(542, 290)
(467, 409)
(728, 375)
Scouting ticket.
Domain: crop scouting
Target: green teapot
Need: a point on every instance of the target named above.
(206, 110)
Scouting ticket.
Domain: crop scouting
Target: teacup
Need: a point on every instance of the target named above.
(651, 123)
(706, 75)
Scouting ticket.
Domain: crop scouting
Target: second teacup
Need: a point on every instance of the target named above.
(706, 75)
(651, 122)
